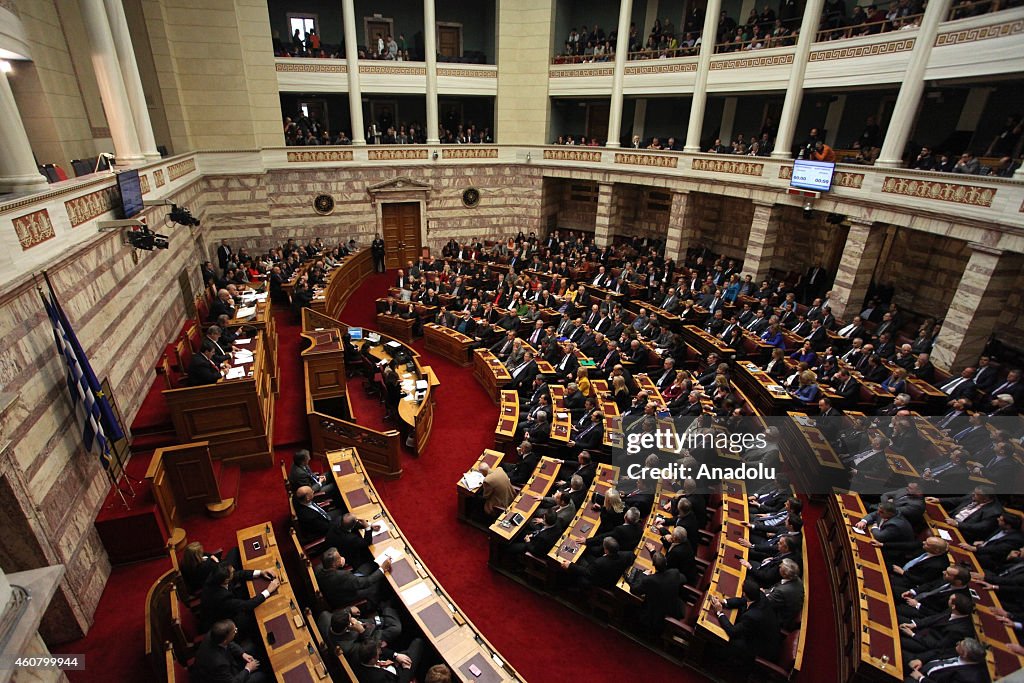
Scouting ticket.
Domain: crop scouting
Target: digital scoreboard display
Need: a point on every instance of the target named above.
(812, 175)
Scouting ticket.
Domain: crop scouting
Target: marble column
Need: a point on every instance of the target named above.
(795, 90)
(430, 47)
(607, 214)
(764, 233)
(355, 95)
(619, 74)
(682, 233)
(860, 256)
(728, 120)
(640, 117)
(130, 74)
(111, 83)
(833, 117)
(979, 300)
(700, 85)
(18, 170)
(905, 110)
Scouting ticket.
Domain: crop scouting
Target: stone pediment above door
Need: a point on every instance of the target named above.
(399, 188)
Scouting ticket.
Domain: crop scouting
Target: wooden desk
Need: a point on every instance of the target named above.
(728, 576)
(490, 372)
(502, 531)
(235, 416)
(489, 457)
(863, 600)
(572, 544)
(663, 497)
(612, 422)
(324, 362)
(706, 343)
(418, 415)
(345, 279)
(809, 456)
(769, 397)
(396, 326)
(449, 343)
(445, 626)
(292, 655)
(543, 367)
(508, 417)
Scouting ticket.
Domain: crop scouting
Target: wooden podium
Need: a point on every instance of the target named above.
(184, 483)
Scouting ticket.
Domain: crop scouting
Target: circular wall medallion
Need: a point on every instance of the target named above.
(471, 197)
(323, 204)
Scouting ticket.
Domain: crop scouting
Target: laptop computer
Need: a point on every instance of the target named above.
(355, 333)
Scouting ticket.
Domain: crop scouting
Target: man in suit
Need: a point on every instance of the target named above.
(523, 373)
(932, 597)
(928, 566)
(313, 520)
(756, 632)
(667, 376)
(220, 660)
(301, 474)
(854, 330)
(202, 369)
(583, 467)
(1012, 386)
(627, 534)
(893, 533)
(539, 541)
(342, 587)
(224, 305)
(496, 490)
(922, 368)
(223, 596)
(573, 400)
(400, 668)
(768, 572)
(660, 592)
(966, 666)
(679, 553)
(353, 538)
(787, 596)
(993, 550)
(223, 255)
(936, 636)
(600, 572)
(591, 435)
(960, 387)
(985, 376)
(977, 514)
(818, 336)
(909, 502)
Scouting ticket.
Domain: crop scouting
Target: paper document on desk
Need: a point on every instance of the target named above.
(472, 480)
(393, 553)
(262, 296)
(243, 341)
(245, 312)
(421, 384)
(421, 591)
(384, 528)
(235, 373)
(562, 416)
(243, 356)
(945, 535)
(776, 388)
(393, 345)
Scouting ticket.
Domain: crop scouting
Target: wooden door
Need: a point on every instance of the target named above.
(449, 40)
(373, 27)
(401, 230)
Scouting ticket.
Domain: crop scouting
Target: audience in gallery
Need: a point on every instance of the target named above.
(383, 47)
(306, 130)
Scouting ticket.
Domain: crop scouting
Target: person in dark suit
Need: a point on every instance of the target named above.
(756, 631)
(787, 596)
(342, 587)
(353, 538)
(679, 553)
(301, 474)
(936, 636)
(313, 520)
(893, 534)
(768, 572)
(540, 541)
(523, 373)
(627, 534)
(520, 472)
(986, 378)
(202, 369)
(992, 551)
(660, 592)
(931, 598)
(219, 658)
(976, 514)
(909, 502)
(372, 669)
(223, 596)
(224, 305)
(223, 255)
(960, 387)
(966, 666)
(927, 566)
(602, 572)
(590, 436)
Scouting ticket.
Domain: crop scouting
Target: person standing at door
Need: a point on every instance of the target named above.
(377, 247)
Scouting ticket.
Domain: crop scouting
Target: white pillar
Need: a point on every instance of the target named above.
(130, 74)
(833, 118)
(912, 88)
(728, 119)
(700, 86)
(355, 95)
(430, 47)
(795, 90)
(974, 107)
(650, 16)
(111, 83)
(18, 169)
(639, 117)
(621, 52)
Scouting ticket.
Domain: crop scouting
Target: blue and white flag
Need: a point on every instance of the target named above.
(99, 428)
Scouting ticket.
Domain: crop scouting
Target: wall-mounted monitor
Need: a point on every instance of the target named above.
(131, 193)
(812, 175)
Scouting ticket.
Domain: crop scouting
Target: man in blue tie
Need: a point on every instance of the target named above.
(968, 666)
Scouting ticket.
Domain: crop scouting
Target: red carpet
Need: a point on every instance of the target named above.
(531, 630)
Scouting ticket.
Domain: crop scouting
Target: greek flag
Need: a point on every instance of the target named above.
(99, 427)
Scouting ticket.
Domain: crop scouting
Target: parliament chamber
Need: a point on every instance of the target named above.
(274, 275)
